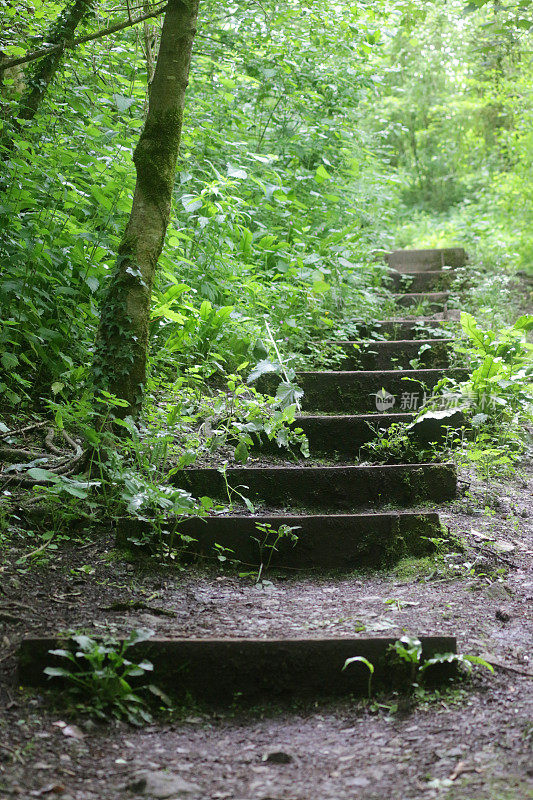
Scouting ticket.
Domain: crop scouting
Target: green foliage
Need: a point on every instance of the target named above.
(101, 681)
(408, 650)
(497, 393)
(274, 200)
(269, 540)
(395, 444)
(501, 382)
(368, 664)
(454, 117)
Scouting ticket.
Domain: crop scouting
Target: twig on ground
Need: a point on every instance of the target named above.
(508, 668)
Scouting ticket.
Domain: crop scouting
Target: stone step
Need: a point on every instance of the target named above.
(325, 541)
(432, 259)
(413, 328)
(336, 487)
(344, 435)
(375, 355)
(431, 280)
(352, 392)
(226, 671)
(435, 299)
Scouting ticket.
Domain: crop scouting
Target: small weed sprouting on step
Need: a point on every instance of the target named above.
(367, 663)
(269, 542)
(233, 491)
(395, 445)
(99, 677)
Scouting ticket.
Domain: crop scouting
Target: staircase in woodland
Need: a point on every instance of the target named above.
(347, 516)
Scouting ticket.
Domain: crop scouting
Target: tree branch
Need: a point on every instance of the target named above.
(44, 51)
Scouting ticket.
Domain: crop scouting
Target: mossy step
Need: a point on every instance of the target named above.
(351, 391)
(436, 299)
(430, 280)
(413, 328)
(430, 259)
(325, 541)
(338, 435)
(339, 487)
(229, 671)
(373, 355)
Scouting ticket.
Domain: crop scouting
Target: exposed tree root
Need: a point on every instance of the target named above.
(27, 428)
(16, 453)
(66, 465)
(48, 442)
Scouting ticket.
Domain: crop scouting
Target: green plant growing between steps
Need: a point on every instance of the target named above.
(99, 677)
(498, 393)
(395, 445)
(408, 650)
(269, 542)
(367, 663)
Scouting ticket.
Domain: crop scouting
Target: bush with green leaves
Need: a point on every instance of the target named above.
(275, 199)
(498, 395)
(102, 681)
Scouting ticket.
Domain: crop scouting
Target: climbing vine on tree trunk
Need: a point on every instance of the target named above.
(122, 341)
(62, 33)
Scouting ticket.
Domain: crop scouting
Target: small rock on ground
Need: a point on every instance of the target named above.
(277, 757)
(159, 785)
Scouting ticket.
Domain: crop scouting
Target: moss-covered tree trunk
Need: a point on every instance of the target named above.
(122, 341)
(61, 32)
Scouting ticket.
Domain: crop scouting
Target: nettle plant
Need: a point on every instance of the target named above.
(230, 421)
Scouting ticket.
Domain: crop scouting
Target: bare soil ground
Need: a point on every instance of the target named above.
(471, 741)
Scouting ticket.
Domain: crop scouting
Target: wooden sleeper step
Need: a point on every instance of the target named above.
(324, 542)
(373, 355)
(431, 259)
(228, 671)
(412, 328)
(361, 391)
(435, 299)
(430, 280)
(341, 487)
(338, 435)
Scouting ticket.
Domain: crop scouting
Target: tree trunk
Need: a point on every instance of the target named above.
(122, 341)
(62, 32)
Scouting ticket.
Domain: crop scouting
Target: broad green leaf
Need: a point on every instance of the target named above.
(322, 174)
(43, 475)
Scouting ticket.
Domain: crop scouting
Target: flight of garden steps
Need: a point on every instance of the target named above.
(348, 516)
